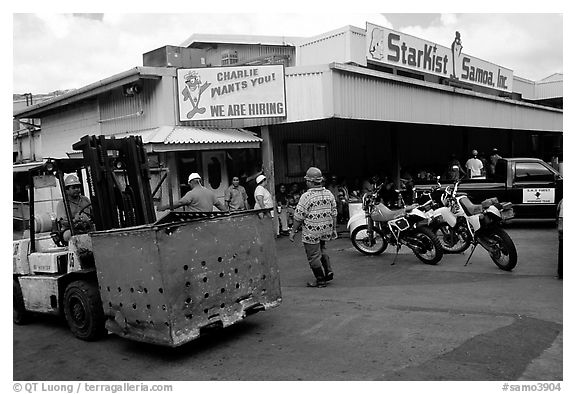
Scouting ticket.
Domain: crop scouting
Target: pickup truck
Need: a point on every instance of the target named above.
(531, 185)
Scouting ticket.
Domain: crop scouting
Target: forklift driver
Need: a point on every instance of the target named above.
(80, 209)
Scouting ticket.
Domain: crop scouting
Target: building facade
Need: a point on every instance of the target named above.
(344, 110)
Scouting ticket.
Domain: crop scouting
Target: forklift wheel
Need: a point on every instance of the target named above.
(21, 316)
(83, 310)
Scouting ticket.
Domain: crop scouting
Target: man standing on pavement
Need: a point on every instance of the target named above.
(474, 165)
(198, 199)
(316, 209)
(235, 196)
(264, 200)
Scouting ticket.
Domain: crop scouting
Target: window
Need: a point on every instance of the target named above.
(229, 57)
(301, 156)
(533, 172)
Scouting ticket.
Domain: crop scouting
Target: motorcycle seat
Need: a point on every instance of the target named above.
(382, 213)
(473, 209)
(470, 208)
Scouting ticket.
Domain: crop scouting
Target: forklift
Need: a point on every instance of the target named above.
(157, 281)
(57, 276)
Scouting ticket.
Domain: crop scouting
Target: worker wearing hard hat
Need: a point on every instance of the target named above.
(317, 214)
(80, 209)
(264, 200)
(198, 199)
(262, 195)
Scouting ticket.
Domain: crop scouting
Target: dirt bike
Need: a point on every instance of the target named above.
(483, 223)
(452, 233)
(377, 226)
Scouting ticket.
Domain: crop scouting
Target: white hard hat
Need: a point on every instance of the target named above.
(193, 176)
(260, 178)
(71, 180)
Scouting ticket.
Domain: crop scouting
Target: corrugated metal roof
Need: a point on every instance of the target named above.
(132, 75)
(187, 135)
(26, 166)
(193, 135)
(556, 77)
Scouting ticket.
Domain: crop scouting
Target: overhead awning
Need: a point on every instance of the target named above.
(176, 138)
(26, 166)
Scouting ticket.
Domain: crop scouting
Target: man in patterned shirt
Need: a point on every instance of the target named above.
(316, 210)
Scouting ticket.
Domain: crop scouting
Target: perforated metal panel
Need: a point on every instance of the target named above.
(163, 283)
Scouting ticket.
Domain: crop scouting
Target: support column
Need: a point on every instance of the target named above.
(268, 157)
(268, 167)
(173, 184)
(395, 149)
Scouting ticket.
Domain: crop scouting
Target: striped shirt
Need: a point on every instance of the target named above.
(317, 210)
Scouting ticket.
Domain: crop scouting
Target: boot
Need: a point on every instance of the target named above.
(319, 282)
(327, 268)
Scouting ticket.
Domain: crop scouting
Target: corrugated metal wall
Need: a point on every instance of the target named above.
(110, 113)
(551, 89)
(67, 126)
(343, 46)
(308, 95)
(28, 146)
(358, 47)
(539, 90)
(365, 97)
(323, 50)
(524, 87)
(121, 114)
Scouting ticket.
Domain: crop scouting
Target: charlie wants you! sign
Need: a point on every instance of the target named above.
(398, 49)
(231, 92)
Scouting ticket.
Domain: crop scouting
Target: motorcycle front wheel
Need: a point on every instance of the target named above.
(452, 239)
(429, 250)
(363, 243)
(502, 249)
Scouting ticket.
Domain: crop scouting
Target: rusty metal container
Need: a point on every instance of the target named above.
(163, 283)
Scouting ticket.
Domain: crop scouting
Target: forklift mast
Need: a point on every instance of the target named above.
(118, 181)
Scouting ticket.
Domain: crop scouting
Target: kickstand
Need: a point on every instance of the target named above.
(470, 256)
(396, 255)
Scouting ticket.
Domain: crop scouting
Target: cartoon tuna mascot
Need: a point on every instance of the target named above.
(456, 52)
(193, 90)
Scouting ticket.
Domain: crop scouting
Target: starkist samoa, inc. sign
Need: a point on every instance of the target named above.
(231, 92)
(393, 48)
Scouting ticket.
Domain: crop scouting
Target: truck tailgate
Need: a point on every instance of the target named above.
(163, 283)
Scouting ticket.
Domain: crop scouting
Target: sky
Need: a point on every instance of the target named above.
(57, 51)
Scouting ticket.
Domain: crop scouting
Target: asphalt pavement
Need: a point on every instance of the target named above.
(374, 321)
